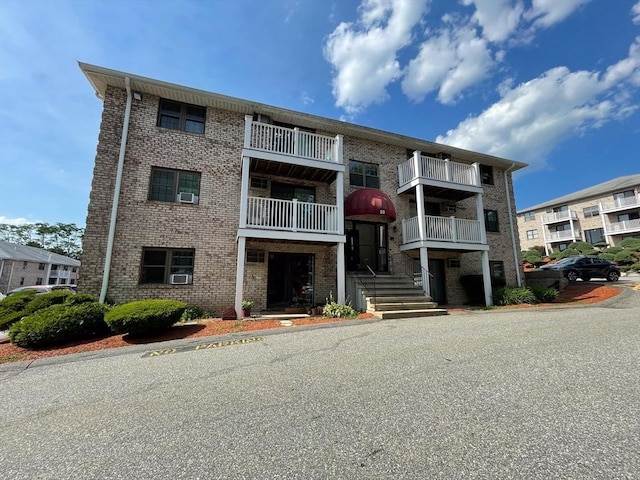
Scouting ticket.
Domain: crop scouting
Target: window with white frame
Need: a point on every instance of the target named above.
(592, 211)
(165, 265)
(532, 234)
(363, 174)
(181, 116)
(529, 216)
(169, 185)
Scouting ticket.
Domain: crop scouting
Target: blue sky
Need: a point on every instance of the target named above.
(555, 83)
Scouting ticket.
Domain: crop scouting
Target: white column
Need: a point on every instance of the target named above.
(339, 149)
(424, 270)
(416, 165)
(341, 274)
(480, 217)
(573, 233)
(244, 192)
(607, 238)
(340, 201)
(476, 169)
(242, 242)
(248, 120)
(486, 279)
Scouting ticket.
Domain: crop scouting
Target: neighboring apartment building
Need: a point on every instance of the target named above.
(21, 265)
(221, 199)
(605, 213)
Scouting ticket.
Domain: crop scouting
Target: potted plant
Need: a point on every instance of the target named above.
(247, 305)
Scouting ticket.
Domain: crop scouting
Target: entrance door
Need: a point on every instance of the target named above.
(289, 280)
(436, 280)
(367, 246)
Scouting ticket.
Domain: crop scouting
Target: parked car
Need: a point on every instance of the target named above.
(585, 268)
(42, 288)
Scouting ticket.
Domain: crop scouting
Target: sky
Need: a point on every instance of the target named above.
(553, 83)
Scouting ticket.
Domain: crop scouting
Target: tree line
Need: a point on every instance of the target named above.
(62, 238)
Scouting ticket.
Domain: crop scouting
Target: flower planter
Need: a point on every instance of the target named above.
(246, 312)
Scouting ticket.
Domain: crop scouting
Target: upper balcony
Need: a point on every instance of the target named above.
(559, 217)
(620, 204)
(443, 232)
(626, 226)
(291, 220)
(447, 179)
(562, 236)
(266, 143)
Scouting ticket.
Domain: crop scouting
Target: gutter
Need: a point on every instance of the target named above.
(116, 194)
(513, 235)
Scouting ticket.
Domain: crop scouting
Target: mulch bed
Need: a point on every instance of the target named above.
(572, 295)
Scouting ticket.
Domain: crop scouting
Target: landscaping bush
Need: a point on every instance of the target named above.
(625, 258)
(193, 312)
(45, 300)
(80, 298)
(614, 250)
(568, 252)
(333, 309)
(631, 244)
(544, 294)
(635, 267)
(13, 305)
(591, 252)
(608, 256)
(517, 295)
(531, 256)
(144, 316)
(58, 324)
(582, 247)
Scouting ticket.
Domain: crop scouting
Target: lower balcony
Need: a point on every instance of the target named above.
(562, 236)
(619, 228)
(442, 232)
(291, 219)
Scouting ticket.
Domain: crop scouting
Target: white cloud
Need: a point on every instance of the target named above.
(14, 221)
(498, 18)
(546, 13)
(531, 119)
(450, 63)
(364, 55)
(635, 10)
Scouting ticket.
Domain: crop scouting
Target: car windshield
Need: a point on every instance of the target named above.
(566, 261)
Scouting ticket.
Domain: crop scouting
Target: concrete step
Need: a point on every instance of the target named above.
(382, 307)
(398, 299)
(427, 312)
(397, 292)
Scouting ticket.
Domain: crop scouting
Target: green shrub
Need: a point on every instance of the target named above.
(631, 244)
(591, 252)
(568, 252)
(45, 300)
(80, 298)
(625, 258)
(144, 316)
(582, 247)
(608, 256)
(193, 312)
(614, 250)
(635, 267)
(544, 294)
(333, 309)
(498, 296)
(517, 296)
(555, 255)
(59, 324)
(531, 256)
(12, 305)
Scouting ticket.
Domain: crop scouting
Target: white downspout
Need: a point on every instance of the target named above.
(513, 235)
(116, 194)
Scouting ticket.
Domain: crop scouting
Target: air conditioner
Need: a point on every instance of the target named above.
(184, 197)
(181, 279)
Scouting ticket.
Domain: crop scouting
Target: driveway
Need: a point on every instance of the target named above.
(536, 394)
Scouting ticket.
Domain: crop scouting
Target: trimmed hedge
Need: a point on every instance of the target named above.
(59, 324)
(631, 244)
(13, 305)
(45, 300)
(544, 294)
(514, 296)
(80, 298)
(144, 316)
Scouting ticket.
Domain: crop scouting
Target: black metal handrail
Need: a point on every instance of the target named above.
(363, 284)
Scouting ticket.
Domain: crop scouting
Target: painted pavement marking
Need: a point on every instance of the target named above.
(202, 346)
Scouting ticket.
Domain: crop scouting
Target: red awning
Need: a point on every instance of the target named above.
(369, 201)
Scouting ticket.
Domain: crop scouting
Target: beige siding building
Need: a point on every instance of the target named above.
(219, 199)
(24, 266)
(605, 213)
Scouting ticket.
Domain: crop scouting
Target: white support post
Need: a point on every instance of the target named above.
(340, 201)
(476, 169)
(248, 120)
(480, 217)
(294, 220)
(573, 233)
(447, 169)
(242, 242)
(454, 230)
(341, 274)
(486, 279)
(339, 149)
(417, 173)
(244, 192)
(607, 238)
(296, 142)
(424, 270)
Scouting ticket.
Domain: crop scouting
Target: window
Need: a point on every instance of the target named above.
(286, 191)
(363, 174)
(625, 194)
(453, 262)
(74, 269)
(591, 211)
(486, 174)
(625, 217)
(39, 281)
(594, 235)
(24, 265)
(497, 269)
(41, 266)
(532, 234)
(63, 281)
(562, 247)
(66, 268)
(54, 267)
(167, 184)
(259, 182)
(430, 208)
(491, 221)
(255, 256)
(529, 216)
(158, 264)
(181, 116)
(52, 281)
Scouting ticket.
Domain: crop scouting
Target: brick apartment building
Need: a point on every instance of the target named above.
(221, 199)
(24, 266)
(605, 213)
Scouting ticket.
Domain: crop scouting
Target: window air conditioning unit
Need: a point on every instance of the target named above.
(184, 197)
(261, 118)
(180, 279)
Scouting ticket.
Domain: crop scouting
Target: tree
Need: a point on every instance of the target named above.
(62, 238)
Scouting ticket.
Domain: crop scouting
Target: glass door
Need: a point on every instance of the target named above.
(367, 246)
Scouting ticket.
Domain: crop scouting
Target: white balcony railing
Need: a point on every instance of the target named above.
(561, 236)
(620, 204)
(292, 141)
(60, 274)
(556, 217)
(438, 169)
(626, 226)
(291, 215)
(443, 229)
